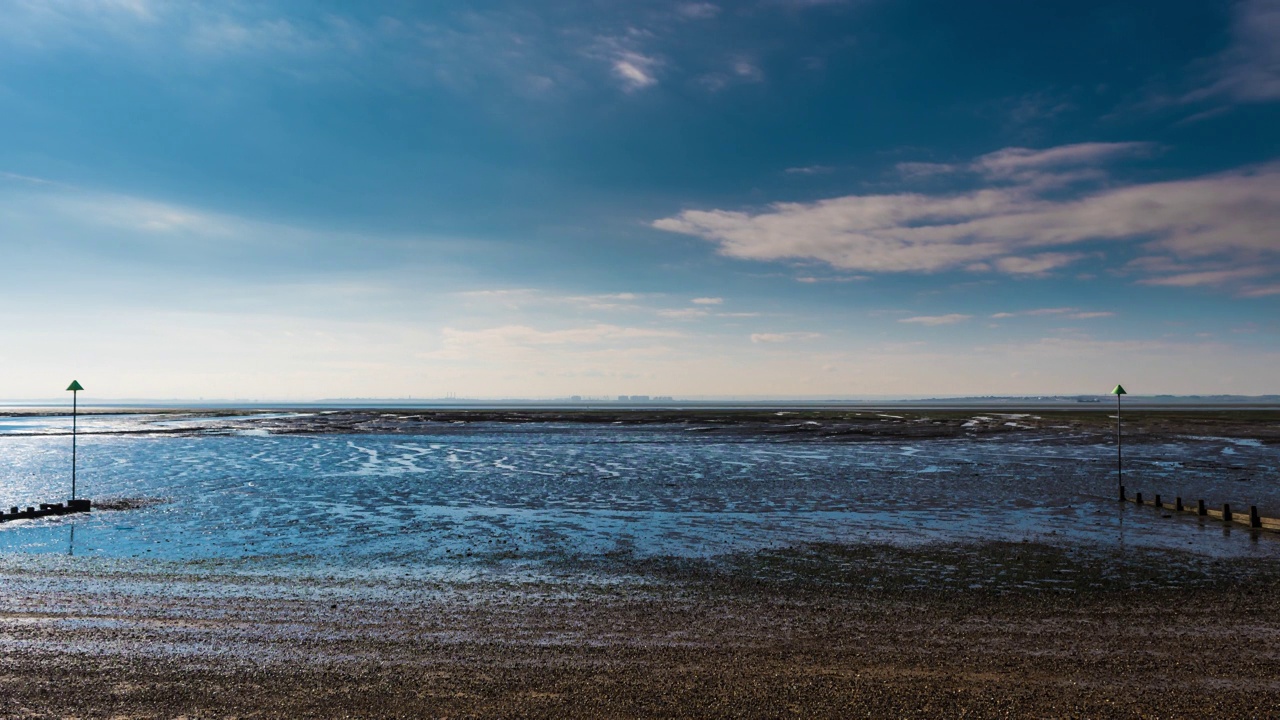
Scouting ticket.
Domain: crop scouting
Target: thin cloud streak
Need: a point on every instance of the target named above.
(1249, 70)
(786, 337)
(936, 320)
(1069, 312)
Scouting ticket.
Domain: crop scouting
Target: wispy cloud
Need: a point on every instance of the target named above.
(747, 70)
(28, 14)
(225, 36)
(1027, 165)
(1210, 277)
(698, 10)
(29, 179)
(786, 337)
(1262, 291)
(1046, 168)
(934, 320)
(683, 313)
(204, 28)
(806, 3)
(147, 218)
(914, 170)
(1036, 264)
(813, 279)
(1069, 312)
(708, 301)
(1249, 70)
(739, 70)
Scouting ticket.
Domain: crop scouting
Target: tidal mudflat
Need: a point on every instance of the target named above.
(558, 563)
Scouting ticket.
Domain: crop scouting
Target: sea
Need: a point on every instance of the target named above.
(538, 499)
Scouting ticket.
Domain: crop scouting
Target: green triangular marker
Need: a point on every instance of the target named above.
(75, 385)
(1119, 390)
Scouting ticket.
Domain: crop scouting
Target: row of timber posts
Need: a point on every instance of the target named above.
(1254, 520)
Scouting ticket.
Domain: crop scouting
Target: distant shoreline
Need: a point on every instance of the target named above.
(1083, 402)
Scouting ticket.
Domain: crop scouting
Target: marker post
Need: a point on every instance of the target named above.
(1118, 391)
(74, 388)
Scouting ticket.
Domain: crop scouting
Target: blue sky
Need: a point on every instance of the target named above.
(297, 200)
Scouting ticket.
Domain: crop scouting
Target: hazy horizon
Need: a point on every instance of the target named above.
(781, 198)
(1066, 400)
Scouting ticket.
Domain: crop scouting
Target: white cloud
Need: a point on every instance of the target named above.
(708, 301)
(635, 70)
(809, 170)
(934, 320)
(1012, 224)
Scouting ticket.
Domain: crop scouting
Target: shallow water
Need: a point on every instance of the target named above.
(525, 498)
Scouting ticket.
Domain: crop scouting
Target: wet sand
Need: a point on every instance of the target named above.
(1086, 423)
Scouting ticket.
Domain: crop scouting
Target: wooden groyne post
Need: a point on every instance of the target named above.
(1253, 519)
(45, 510)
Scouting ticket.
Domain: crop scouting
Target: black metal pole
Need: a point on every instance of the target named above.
(1119, 462)
(74, 396)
